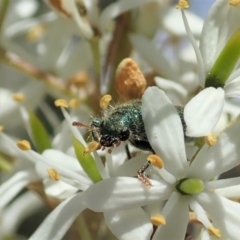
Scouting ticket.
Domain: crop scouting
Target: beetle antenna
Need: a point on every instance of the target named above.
(79, 124)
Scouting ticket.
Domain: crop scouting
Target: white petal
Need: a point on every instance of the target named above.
(115, 9)
(175, 91)
(203, 112)
(129, 224)
(124, 193)
(212, 161)
(21, 208)
(233, 88)
(147, 49)
(172, 21)
(15, 184)
(164, 130)
(224, 214)
(211, 32)
(229, 192)
(176, 222)
(223, 183)
(60, 219)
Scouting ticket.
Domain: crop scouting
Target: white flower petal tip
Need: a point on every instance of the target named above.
(158, 220)
(214, 232)
(203, 112)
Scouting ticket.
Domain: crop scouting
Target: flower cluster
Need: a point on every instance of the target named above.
(158, 146)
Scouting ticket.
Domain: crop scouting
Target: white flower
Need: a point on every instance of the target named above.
(164, 131)
(70, 171)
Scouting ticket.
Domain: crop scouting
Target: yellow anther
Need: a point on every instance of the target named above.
(234, 2)
(53, 174)
(24, 145)
(61, 103)
(79, 80)
(182, 4)
(74, 103)
(130, 81)
(214, 232)
(105, 100)
(18, 97)
(211, 139)
(156, 161)
(92, 146)
(1, 128)
(158, 220)
(37, 32)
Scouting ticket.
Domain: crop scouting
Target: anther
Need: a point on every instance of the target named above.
(156, 161)
(141, 174)
(105, 100)
(214, 232)
(18, 97)
(53, 174)
(92, 146)
(74, 103)
(211, 139)
(61, 103)
(1, 128)
(158, 220)
(182, 4)
(24, 145)
(234, 2)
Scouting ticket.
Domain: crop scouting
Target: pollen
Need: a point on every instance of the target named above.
(37, 32)
(156, 161)
(211, 139)
(234, 2)
(24, 145)
(214, 232)
(1, 128)
(182, 4)
(105, 100)
(79, 80)
(18, 97)
(129, 81)
(158, 220)
(74, 103)
(53, 174)
(92, 146)
(61, 103)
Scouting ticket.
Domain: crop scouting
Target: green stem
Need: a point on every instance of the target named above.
(83, 230)
(225, 62)
(3, 12)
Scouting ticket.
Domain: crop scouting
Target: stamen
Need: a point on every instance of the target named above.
(24, 145)
(53, 174)
(141, 174)
(61, 103)
(105, 100)
(214, 232)
(234, 2)
(92, 146)
(156, 161)
(79, 80)
(18, 97)
(1, 128)
(182, 4)
(130, 82)
(74, 103)
(211, 139)
(158, 220)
